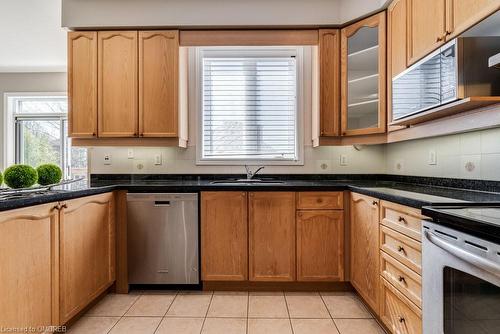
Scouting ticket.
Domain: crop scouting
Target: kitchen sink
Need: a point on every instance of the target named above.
(247, 181)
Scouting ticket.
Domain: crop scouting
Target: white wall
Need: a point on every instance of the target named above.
(26, 82)
(480, 150)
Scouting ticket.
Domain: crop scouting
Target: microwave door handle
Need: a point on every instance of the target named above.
(464, 255)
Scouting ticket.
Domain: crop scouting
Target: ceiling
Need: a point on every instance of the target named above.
(33, 40)
(32, 37)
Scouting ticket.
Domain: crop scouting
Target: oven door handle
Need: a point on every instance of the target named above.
(464, 255)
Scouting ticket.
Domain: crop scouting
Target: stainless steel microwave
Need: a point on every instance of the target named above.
(457, 70)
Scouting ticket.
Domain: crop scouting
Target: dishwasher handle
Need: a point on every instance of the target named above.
(162, 203)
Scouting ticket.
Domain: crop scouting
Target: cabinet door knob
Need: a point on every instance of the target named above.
(375, 203)
(319, 200)
(402, 219)
(440, 38)
(401, 319)
(93, 134)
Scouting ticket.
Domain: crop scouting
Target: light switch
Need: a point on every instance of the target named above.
(158, 159)
(343, 160)
(432, 157)
(130, 153)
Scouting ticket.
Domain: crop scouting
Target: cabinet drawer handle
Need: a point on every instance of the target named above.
(401, 319)
(401, 249)
(402, 219)
(402, 279)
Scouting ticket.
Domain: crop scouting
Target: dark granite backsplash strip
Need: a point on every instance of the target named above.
(479, 185)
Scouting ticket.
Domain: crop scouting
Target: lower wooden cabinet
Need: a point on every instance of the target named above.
(29, 268)
(224, 236)
(87, 251)
(397, 312)
(271, 228)
(365, 248)
(320, 245)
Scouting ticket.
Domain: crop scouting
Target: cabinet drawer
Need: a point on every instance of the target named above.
(405, 280)
(402, 219)
(320, 200)
(398, 313)
(404, 249)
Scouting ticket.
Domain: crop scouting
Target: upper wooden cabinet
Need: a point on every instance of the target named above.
(158, 83)
(329, 68)
(396, 38)
(431, 23)
(117, 82)
(271, 236)
(363, 77)
(87, 251)
(320, 245)
(463, 14)
(426, 27)
(124, 84)
(224, 236)
(29, 258)
(82, 84)
(365, 247)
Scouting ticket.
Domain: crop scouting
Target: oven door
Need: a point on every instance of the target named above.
(460, 282)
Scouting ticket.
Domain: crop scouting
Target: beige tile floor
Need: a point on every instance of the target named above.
(228, 313)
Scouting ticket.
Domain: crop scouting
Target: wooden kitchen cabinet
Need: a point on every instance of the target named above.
(329, 60)
(426, 27)
(87, 251)
(320, 245)
(364, 212)
(158, 83)
(363, 77)
(463, 14)
(271, 236)
(224, 236)
(82, 84)
(29, 272)
(117, 84)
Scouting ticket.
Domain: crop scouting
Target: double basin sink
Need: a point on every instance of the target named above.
(247, 181)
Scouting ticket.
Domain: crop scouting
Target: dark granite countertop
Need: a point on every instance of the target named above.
(409, 193)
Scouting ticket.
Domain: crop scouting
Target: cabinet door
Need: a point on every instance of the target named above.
(87, 251)
(29, 269)
(329, 59)
(426, 27)
(272, 236)
(158, 83)
(363, 77)
(463, 14)
(320, 245)
(117, 82)
(396, 49)
(82, 84)
(224, 238)
(365, 247)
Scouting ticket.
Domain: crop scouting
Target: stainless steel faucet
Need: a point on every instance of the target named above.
(250, 174)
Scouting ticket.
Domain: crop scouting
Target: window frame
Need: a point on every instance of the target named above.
(12, 127)
(277, 51)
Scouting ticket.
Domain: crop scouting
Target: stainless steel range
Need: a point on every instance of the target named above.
(461, 271)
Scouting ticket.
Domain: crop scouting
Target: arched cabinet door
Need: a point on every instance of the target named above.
(158, 83)
(363, 77)
(82, 84)
(117, 84)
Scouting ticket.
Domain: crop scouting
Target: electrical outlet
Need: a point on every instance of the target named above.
(399, 165)
(158, 159)
(432, 157)
(343, 160)
(106, 159)
(139, 165)
(130, 153)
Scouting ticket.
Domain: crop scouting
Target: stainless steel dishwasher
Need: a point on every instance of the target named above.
(162, 238)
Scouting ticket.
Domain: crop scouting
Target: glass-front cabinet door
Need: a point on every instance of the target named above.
(363, 75)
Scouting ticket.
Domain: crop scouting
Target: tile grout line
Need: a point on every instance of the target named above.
(123, 315)
(248, 309)
(288, 311)
(331, 316)
(206, 313)
(168, 308)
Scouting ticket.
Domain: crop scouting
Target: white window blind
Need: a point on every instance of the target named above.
(249, 106)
